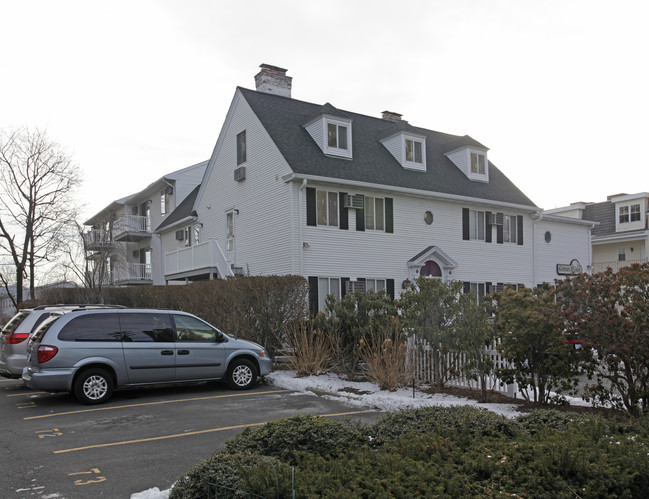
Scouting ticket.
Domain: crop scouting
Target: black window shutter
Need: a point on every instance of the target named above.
(465, 224)
(499, 232)
(487, 226)
(389, 218)
(519, 229)
(310, 207)
(389, 287)
(466, 287)
(343, 286)
(343, 213)
(313, 295)
(360, 219)
(489, 288)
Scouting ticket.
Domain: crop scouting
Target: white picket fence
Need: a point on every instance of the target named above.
(421, 360)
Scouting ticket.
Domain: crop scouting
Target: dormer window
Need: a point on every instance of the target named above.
(338, 138)
(414, 151)
(477, 163)
(629, 213)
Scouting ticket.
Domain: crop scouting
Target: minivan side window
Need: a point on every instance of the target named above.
(92, 327)
(191, 329)
(154, 327)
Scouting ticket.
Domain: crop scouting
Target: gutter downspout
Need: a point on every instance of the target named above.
(300, 231)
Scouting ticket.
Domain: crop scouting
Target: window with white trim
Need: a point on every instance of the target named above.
(509, 229)
(241, 148)
(479, 290)
(621, 254)
(337, 136)
(414, 151)
(327, 208)
(476, 225)
(375, 285)
(327, 286)
(165, 198)
(629, 213)
(229, 230)
(478, 163)
(374, 213)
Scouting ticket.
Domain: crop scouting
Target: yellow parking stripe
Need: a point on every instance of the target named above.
(22, 394)
(200, 432)
(95, 409)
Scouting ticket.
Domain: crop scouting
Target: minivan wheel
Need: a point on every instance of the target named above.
(242, 374)
(93, 386)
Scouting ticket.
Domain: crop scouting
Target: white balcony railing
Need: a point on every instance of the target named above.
(202, 256)
(132, 272)
(616, 264)
(130, 224)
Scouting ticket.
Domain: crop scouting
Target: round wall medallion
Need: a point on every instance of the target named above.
(428, 217)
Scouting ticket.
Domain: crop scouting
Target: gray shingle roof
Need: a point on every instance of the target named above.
(284, 119)
(183, 210)
(604, 213)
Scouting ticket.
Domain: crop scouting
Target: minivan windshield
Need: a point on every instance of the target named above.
(15, 321)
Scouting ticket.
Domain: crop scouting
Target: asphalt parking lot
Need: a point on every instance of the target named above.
(140, 439)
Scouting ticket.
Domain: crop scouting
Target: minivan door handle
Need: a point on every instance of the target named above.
(183, 352)
(166, 352)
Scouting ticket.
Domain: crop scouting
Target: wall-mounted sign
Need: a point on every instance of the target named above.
(574, 267)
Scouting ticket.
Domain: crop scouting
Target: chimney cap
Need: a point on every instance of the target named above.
(391, 116)
(274, 69)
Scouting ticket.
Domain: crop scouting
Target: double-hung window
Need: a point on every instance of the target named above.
(374, 213)
(336, 136)
(476, 225)
(241, 148)
(164, 202)
(327, 286)
(477, 163)
(509, 229)
(414, 151)
(229, 230)
(327, 208)
(629, 213)
(375, 285)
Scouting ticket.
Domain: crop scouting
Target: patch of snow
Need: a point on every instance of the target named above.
(154, 493)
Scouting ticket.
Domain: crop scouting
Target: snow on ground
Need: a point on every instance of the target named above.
(367, 394)
(357, 394)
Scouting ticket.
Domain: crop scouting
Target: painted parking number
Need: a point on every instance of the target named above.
(93, 471)
(54, 432)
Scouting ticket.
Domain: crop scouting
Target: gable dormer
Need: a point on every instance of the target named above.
(405, 143)
(630, 211)
(470, 157)
(331, 129)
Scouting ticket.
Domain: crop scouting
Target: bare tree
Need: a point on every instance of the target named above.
(37, 207)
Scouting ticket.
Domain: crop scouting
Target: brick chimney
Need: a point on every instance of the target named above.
(390, 116)
(273, 80)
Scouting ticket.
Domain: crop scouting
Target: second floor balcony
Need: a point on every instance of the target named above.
(97, 240)
(200, 261)
(132, 228)
(616, 264)
(132, 274)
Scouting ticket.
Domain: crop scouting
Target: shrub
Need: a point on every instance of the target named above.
(223, 474)
(304, 433)
(310, 351)
(384, 353)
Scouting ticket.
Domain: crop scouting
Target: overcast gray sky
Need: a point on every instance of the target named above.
(557, 89)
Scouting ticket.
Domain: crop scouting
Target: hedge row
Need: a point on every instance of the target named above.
(255, 308)
(455, 452)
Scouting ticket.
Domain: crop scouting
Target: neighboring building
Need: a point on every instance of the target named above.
(621, 236)
(355, 202)
(121, 238)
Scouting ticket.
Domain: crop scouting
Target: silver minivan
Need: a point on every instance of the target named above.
(92, 352)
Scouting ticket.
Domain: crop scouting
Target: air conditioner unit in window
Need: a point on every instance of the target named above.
(496, 219)
(180, 235)
(240, 174)
(355, 286)
(354, 201)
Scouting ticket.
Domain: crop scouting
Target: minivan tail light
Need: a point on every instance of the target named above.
(15, 338)
(46, 352)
